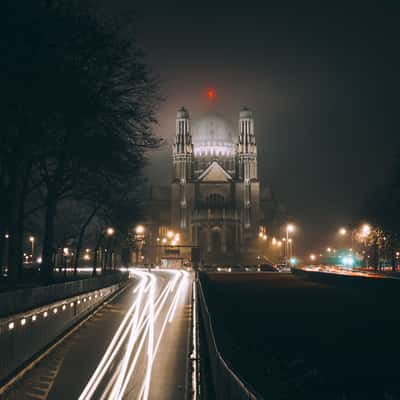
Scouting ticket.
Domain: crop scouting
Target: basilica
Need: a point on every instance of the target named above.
(215, 190)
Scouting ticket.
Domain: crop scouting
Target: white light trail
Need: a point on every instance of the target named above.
(140, 327)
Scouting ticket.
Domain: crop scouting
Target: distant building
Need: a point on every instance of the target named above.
(215, 198)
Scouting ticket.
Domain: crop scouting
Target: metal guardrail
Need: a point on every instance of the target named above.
(227, 383)
(25, 299)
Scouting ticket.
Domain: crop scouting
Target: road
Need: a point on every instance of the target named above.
(340, 270)
(136, 347)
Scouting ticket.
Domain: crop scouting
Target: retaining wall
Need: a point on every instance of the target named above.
(25, 334)
(26, 299)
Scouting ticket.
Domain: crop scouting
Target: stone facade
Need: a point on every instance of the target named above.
(215, 191)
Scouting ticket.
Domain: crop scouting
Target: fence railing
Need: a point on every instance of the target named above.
(227, 383)
(26, 299)
(24, 335)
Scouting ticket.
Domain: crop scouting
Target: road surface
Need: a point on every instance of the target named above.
(136, 347)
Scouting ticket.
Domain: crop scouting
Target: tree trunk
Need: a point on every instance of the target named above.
(80, 239)
(3, 246)
(96, 255)
(48, 240)
(13, 248)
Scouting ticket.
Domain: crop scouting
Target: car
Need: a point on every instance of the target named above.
(251, 268)
(282, 267)
(237, 268)
(224, 268)
(268, 268)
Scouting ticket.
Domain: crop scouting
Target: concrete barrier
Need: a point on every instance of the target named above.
(25, 299)
(24, 335)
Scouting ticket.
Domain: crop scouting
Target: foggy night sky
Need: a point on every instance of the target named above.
(322, 82)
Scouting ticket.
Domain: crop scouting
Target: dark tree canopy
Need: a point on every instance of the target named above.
(78, 105)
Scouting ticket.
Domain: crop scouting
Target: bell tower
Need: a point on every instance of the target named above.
(246, 160)
(183, 162)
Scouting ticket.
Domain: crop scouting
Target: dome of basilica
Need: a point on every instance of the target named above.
(212, 135)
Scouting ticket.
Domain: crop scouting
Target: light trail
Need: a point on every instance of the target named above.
(110, 352)
(146, 385)
(150, 365)
(138, 337)
(109, 358)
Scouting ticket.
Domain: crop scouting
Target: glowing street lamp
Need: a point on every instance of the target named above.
(290, 228)
(32, 240)
(139, 230)
(313, 257)
(170, 234)
(139, 239)
(110, 231)
(365, 230)
(343, 231)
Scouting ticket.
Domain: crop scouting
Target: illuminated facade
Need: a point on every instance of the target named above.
(215, 188)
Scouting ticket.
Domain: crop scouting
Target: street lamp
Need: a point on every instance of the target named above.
(139, 229)
(343, 231)
(32, 240)
(110, 231)
(365, 230)
(289, 229)
(139, 239)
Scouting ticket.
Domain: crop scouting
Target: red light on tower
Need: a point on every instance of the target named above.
(211, 94)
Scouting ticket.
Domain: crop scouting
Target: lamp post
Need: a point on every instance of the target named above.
(32, 240)
(109, 256)
(344, 232)
(289, 229)
(139, 241)
(290, 247)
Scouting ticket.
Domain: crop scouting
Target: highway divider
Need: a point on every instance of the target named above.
(25, 335)
(227, 383)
